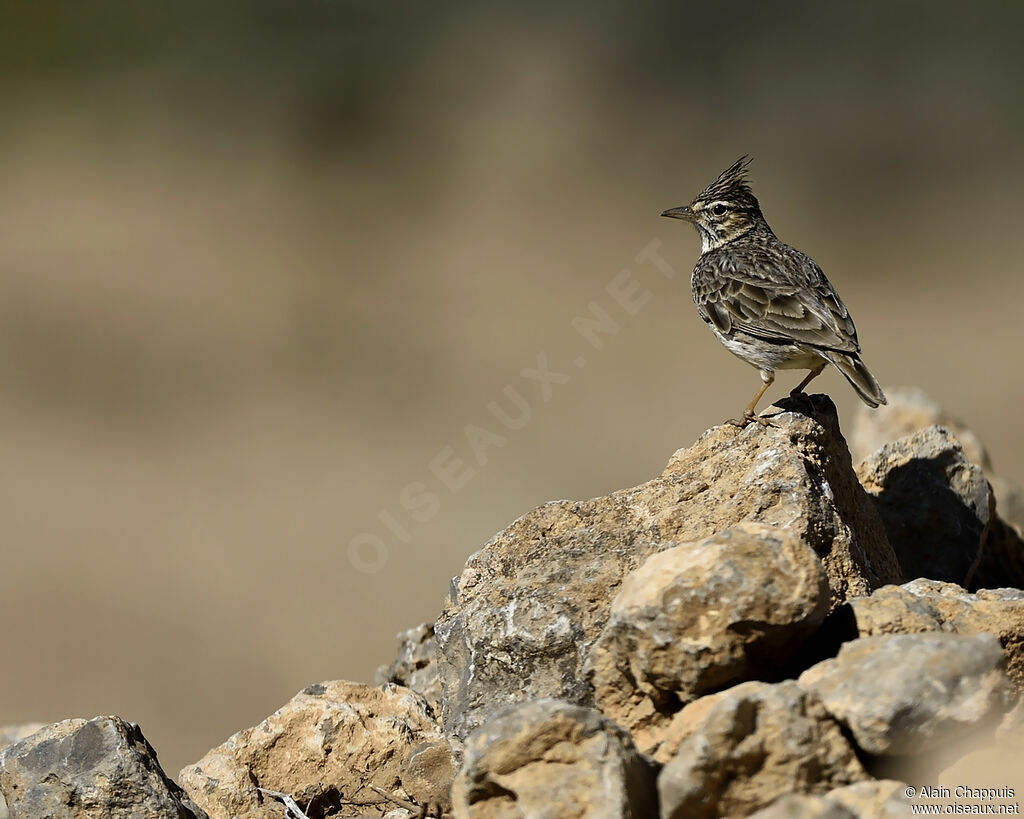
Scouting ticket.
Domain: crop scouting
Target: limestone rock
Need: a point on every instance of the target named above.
(910, 693)
(326, 744)
(521, 618)
(101, 768)
(549, 759)
(415, 666)
(701, 616)
(935, 503)
(756, 743)
(930, 605)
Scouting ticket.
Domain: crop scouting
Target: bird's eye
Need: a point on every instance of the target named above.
(718, 210)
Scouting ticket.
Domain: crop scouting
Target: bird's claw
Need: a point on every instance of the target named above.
(749, 417)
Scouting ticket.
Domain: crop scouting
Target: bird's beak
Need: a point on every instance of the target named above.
(682, 212)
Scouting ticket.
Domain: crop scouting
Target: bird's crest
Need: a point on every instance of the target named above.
(732, 186)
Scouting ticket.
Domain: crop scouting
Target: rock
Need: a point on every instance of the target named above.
(415, 666)
(935, 503)
(877, 799)
(9, 734)
(910, 412)
(521, 618)
(552, 759)
(909, 693)
(1002, 558)
(428, 771)
(701, 616)
(756, 743)
(80, 769)
(327, 744)
(803, 806)
(684, 723)
(930, 605)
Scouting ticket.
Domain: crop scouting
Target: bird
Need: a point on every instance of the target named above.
(768, 303)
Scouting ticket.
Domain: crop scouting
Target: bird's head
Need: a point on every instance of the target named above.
(725, 210)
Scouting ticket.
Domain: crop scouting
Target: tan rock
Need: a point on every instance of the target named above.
(755, 744)
(930, 605)
(905, 694)
(552, 760)
(327, 744)
(524, 613)
(701, 616)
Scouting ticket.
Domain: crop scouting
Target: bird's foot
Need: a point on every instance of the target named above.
(749, 417)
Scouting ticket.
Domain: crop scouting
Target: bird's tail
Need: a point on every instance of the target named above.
(859, 376)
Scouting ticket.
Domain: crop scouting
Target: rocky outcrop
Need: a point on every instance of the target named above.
(101, 768)
(526, 611)
(733, 637)
(549, 758)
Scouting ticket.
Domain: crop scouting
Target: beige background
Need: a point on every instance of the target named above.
(259, 269)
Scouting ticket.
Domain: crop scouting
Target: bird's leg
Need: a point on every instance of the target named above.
(799, 388)
(767, 376)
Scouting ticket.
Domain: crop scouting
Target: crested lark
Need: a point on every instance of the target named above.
(767, 302)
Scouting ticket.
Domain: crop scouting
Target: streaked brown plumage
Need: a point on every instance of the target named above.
(767, 302)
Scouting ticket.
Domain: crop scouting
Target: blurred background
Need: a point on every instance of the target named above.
(262, 264)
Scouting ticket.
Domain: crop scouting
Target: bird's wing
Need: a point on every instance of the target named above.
(773, 296)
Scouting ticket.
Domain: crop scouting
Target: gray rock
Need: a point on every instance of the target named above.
(756, 743)
(935, 503)
(415, 666)
(701, 616)
(88, 769)
(931, 605)
(522, 617)
(910, 693)
(9, 734)
(549, 759)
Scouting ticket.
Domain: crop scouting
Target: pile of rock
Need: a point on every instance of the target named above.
(735, 637)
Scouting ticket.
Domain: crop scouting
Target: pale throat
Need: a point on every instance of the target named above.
(708, 239)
